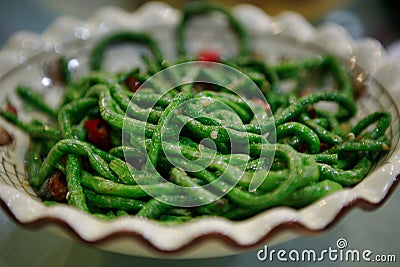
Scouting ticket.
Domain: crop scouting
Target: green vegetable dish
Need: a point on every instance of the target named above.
(289, 142)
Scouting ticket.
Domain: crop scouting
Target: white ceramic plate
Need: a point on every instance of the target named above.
(288, 35)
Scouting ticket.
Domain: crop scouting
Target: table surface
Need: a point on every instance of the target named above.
(375, 230)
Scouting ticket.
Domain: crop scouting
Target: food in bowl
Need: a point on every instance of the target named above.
(210, 136)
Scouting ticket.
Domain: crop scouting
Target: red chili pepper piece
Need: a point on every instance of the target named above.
(266, 106)
(302, 148)
(98, 133)
(324, 146)
(10, 108)
(57, 186)
(132, 83)
(312, 112)
(209, 55)
(5, 137)
(200, 86)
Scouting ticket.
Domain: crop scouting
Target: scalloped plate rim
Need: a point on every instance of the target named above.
(8, 197)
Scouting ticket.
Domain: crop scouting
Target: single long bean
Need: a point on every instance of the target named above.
(383, 122)
(35, 130)
(35, 99)
(121, 37)
(295, 109)
(302, 132)
(346, 177)
(157, 133)
(114, 202)
(311, 193)
(272, 198)
(74, 147)
(202, 8)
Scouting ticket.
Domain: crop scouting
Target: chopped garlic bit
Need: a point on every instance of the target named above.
(214, 134)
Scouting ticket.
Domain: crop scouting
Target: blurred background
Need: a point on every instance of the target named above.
(376, 18)
(377, 230)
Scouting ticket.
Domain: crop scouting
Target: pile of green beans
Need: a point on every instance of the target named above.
(317, 152)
